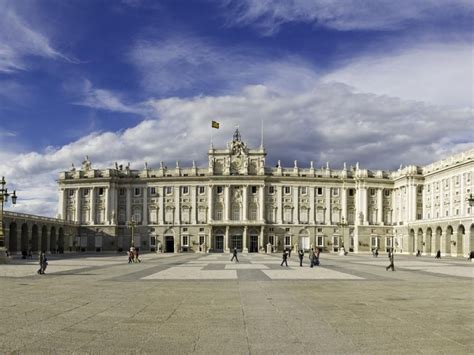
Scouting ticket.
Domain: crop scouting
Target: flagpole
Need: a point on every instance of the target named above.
(261, 133)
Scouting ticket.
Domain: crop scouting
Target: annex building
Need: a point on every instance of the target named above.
(238, 201)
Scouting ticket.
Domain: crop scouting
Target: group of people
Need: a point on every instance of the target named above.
(133, 255)
(313, 257)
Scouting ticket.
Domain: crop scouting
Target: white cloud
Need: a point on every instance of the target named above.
(438, 73)
(331, 123)
(269, 15)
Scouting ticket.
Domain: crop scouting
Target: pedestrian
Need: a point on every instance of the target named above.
(376, 252)
(316, 257)
(438, 254)
(418, 253)
(471, 255)
(301, 256)
(312, 257)
(41, 260)
(284, 259)
(131, 255)
(391, 265)
(234, 255)
(137, 259)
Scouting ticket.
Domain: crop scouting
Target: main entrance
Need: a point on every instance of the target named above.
(169, 244)
(253, 244)
(236, 242)
(219, 244)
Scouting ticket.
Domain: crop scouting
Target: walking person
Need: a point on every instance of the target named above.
(418, 253)
(391, 265)
(234, 255)
(376, 252)
(438, 254)
(301, 256)
(316, 257)
(312, 257)
(137, 259)
(41, 260)
(284, 259)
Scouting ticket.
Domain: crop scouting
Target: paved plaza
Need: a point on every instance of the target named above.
(203, 303)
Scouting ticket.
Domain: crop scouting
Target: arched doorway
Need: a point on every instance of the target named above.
(44, 239)
(460, 240)
(52, 240)
(24, 239)
(303, 240)
(437, 243)
(12, 238)
(34, 238)
(61, 240)
(411, 242)
(428, 242)
(449, 243)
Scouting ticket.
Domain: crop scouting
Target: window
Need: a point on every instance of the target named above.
(271, 239)
(320, 191)
(287, 190)
(372, 192)
(185, 190)
(254, 190)
(428, 188)
(304, 190)
(351, 192)
(219, 189)
(447, 182)
(253, 212)
(101, 191)
(201, 240)
(169, 216)
(70, 192)
(201, 190)
(122, 192)
(320, 230)
(168, 190)
(386, 192)
(153, 191)
(137, 191)
(320, 241)
(335, 191)
(185, 229)
(288, 215)
(287, 241)
(420, 189)
(271, 190)
(201, 229)
(287, 229)
(86, 192)
(185, 240)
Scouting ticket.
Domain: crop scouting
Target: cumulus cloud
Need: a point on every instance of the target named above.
(269, 15)
(333, 122)
(438, 73)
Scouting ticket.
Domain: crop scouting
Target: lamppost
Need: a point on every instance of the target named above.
(343, 224)
(4, 199)
(132, 224)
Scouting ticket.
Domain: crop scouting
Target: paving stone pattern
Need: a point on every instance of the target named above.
(205, 304)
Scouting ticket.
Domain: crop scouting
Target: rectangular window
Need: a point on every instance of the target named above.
(254, 190)
(304, 190)
(70, 192)
(122, 192)
(271, 239)
(335, 191)
(86, 192)
(201, 190)
(287, 240)
(287, 190)
(201, 229)
(201, 240)
(372, 192)
(386, 192)
(152, 190)
(320, 241)
(185, 240)
(320, 191)
(219, 189)
(137, 191)
(271, 190)
(320, 230)
(168, 190)
(185, 190)
(101, 191)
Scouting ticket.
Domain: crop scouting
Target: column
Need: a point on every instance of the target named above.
(62, 204)
(129, 203)
(344, 203)
(327, 195)
(226, 203)
(226, 239)
(312, 203)
(161, 205)
(432, 216)
(260, 240)
(414, 201)
(145, 206)
(296, 205)
(451, 196)
(245, 191)
(78, 205)
(279, 216)
(210, 202)
(177, 205)
(107, 205)
(380, 206)
(92, 205)
(399, 205)
(441, 199)
(408, 203)
(193, 204)
(262, 203)
(364, 205)
(245, 249)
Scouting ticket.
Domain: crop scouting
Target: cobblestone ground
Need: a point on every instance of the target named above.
(195, 303)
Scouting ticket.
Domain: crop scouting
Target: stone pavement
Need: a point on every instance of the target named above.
(198, 303)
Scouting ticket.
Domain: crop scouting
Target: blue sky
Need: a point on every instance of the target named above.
(375, 82)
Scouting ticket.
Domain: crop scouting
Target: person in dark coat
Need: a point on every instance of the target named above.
(316, 257)
(312, 257)
(234, 255)
(284, 257)
(391, 265)
(438, 254)
(301, 256)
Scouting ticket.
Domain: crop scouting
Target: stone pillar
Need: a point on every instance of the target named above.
(279, 216)
(107, 205)
(441, 199)
(451, 197)
(262, 203)
(145, 206)
(260, 240)
(344, 203)
(129, 203)
(364, 208)
(78, 205)
(380, 206)
(327, 196)
(463, 198)
(245, 203)
(62, 204)
(210, 202)
(194, 204)
(226, 203)
(296, 205)
(312, 203)
(432, 214)
(161, 206)
(92, 206)
(177, 204)
(245, 249)
(226, 239)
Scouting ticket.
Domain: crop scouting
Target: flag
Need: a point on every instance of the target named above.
(215, 124)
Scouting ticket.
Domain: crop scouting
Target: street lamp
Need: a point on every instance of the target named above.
(342, 224)
(4, 199)
(132, 224)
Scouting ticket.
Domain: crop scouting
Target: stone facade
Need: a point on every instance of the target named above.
(238, 201)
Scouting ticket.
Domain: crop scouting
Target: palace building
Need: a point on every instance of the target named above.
(238, 201)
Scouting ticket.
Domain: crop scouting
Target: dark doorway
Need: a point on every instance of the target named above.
(169, 244)
(253, 244)
(219, 244)
(236, 242)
